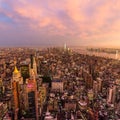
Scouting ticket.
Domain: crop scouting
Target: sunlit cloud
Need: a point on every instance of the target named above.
(77, 22)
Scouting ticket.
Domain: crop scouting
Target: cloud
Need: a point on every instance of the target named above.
(78, 21)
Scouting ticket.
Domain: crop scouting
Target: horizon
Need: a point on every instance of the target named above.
(68, 46)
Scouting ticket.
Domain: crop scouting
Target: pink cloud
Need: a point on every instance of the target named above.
(79, 19)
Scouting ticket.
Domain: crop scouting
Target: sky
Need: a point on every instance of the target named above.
(55, 22)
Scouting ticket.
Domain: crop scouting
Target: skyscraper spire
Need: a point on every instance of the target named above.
(65, 46)
(17, 76)
(116, 56)
(15, 70)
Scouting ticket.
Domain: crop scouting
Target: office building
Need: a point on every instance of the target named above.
(31, 98)
(99, 81)
(33, 66)
(25, 71)
(17, 84)
(57, 85)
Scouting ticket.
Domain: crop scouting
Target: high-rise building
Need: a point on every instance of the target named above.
(15, 90)
(1, 88)
(3, 110)
(117, 83)
(110, 93)
(57, 85)
(88, 81)
(42, 96)
(17, 76)
(17, 82)
(25, 71)
(95, 88)
(114, 94)
(65, 47)
(116, 55)
(31, 98)
(99, 81)
(90, 94)
(33, 66)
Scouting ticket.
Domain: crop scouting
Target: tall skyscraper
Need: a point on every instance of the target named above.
(99, 81)
(116, 55)
(95, 88)
(25, 71)
(114, 94)
(1, 88)
(110, 93)
(32, 95)
(33, 66)
(15, 90)
(17, 81)
(65, 46)
(17, 76)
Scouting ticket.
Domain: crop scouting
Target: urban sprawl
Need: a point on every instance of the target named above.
(58, 84)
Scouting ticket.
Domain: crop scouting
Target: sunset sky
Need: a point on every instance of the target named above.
(55, 22)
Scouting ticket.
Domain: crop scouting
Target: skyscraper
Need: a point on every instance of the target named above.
(95, 88)
(99, 81)
(31, 101)
(17, 76)
(110, 93)
(1, 88)
(25, 71)
(116, 55)
(17, 81)
(65, 47)
(33, 65)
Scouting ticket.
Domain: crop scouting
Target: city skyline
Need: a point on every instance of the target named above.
(46, 23)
